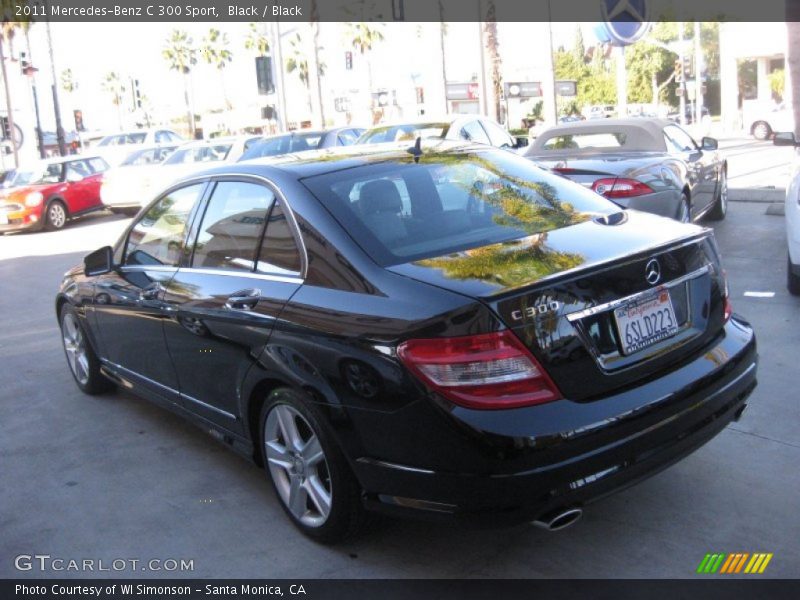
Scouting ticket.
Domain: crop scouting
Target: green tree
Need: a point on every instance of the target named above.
(777, 83)
(215, 52)
(298, 63)
(114, 85)
(181, 55)
(256, 41)
(363, 37)
(68, 83)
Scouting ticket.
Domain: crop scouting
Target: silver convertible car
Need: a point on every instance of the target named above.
(647, 164)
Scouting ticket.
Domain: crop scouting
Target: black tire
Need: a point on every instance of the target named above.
(346, 515)
(56, 216)
(792, 278)
(720, 209)
(761, 130)
(94, 382)
(684, 210)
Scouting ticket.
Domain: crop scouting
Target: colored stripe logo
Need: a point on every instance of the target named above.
(736, 562)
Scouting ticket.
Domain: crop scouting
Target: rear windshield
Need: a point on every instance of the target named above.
(401, 211)
(585, 141)
(399, 133)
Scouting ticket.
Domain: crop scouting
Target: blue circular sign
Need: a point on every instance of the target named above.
(625, 21)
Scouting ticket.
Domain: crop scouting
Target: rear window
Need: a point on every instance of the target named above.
(583, 141)
(399, 133)
(403, 211)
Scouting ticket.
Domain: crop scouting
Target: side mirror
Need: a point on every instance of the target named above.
(708, 143)
(521, 141)
(785, 138)
(99, 262)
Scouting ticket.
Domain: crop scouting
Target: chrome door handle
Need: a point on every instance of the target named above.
(243, 300)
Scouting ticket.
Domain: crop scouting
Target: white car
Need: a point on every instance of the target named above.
(127, 193)
(471, 128)
(792, 214)
(114, 148)
(763, 120)
(127, 186)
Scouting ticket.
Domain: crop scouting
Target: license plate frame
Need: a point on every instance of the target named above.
(646, 321)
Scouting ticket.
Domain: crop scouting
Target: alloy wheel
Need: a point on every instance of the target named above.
(298, 465)
(56, 215)
(75, 345)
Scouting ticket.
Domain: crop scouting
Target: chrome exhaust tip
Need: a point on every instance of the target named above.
(558, 519)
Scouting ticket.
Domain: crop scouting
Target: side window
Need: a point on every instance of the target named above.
(347, 137)
(678, 139)
(232, 225)
(473, 132)
(157, 238)
(97, 165)
(77, 170)
(161, 137)
(279, 252)
(498, 136)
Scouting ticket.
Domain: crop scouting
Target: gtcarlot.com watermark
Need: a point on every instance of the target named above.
(45, 563)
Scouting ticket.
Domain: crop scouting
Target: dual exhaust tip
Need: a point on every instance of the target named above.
(558, 519)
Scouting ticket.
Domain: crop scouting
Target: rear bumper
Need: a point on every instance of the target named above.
(608, 445)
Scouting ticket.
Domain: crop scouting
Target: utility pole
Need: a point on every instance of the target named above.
(62, 145)
(550, 99)
(698, 75)
(279, 82)
(682, 85)
(30, 71)
(484, 97)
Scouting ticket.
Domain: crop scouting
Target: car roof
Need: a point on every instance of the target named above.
(310, 163)
(60, 160)
(645, 134)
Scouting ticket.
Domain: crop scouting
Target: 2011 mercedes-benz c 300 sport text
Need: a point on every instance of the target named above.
(442, 329)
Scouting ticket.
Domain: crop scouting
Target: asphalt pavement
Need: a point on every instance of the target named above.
(113, 477)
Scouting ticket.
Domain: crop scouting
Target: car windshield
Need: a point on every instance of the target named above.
(401, 210)
(284, 144)
(409, 132)
(42, 174)
(150, 156)
(210, 153)
(123, 139)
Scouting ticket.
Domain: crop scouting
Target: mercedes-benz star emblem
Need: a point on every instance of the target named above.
(652, 272)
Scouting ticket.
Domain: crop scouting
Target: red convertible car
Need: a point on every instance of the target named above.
(47, 195)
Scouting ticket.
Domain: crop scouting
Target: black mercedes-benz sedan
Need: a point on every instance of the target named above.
(442, 330)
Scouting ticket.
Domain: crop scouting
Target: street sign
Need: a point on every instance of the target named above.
(624, 21)
(567, 88)
(462, 91)
(523, 89)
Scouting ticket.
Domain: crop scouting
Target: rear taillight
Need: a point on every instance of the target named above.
(618, 187)
(487, 371)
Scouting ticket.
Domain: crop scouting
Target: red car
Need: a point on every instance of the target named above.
(52, 192)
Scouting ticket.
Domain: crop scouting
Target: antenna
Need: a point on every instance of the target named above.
(416, 149)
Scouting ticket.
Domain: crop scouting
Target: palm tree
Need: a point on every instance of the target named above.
(363, 37)
(298, 62)
(442, 36)
(256, 41)
(179, 51)
(317, 66)
(215, 52)
(115, 86)
(495, 63)
(7, 32)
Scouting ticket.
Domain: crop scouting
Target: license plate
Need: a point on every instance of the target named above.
(645, 322)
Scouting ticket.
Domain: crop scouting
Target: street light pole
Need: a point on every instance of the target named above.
(698, 75)
(682, 84)
(62, 146)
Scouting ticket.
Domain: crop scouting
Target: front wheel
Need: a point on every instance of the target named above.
(761, 130)
(56, 216)
(310, 474)
(82, 361)
(720, 209)
(793, 279)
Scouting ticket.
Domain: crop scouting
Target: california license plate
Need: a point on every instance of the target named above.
(643, 323)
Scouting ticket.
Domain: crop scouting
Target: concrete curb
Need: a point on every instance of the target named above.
(766, 195)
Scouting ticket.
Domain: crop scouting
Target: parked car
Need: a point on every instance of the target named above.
(646, 164)
(600, 111)
(471, 128)
(689, 115)
(127, 187)
(792, 212)
(51, 192)
(116, 147)
(444, 330)
(300, 141)
(761, 120)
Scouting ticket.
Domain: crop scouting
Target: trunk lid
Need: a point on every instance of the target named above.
(557, 292)
(589, 168)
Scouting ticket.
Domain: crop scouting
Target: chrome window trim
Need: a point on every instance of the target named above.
(243, 274)
(593, 310)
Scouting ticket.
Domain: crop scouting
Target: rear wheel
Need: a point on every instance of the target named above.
(721, 201)
(82, 361)
(310, 474)
(56, 216)
(761, 130)
(793, 279)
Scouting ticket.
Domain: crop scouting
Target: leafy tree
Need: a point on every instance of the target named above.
(180, 53)
(298, 63)
(777, 83)
(364, 37)
(215, 52)
(114, 85)
(256, 41)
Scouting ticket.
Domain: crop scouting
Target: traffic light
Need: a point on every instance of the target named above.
(688, 67)
(136, 94)
(5, 128)
(348, 60)
(24, 63)
(78, 116)
(264, 75)
(420, 95)
(678, 70)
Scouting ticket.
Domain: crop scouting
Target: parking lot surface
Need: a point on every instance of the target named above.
(113, 477)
